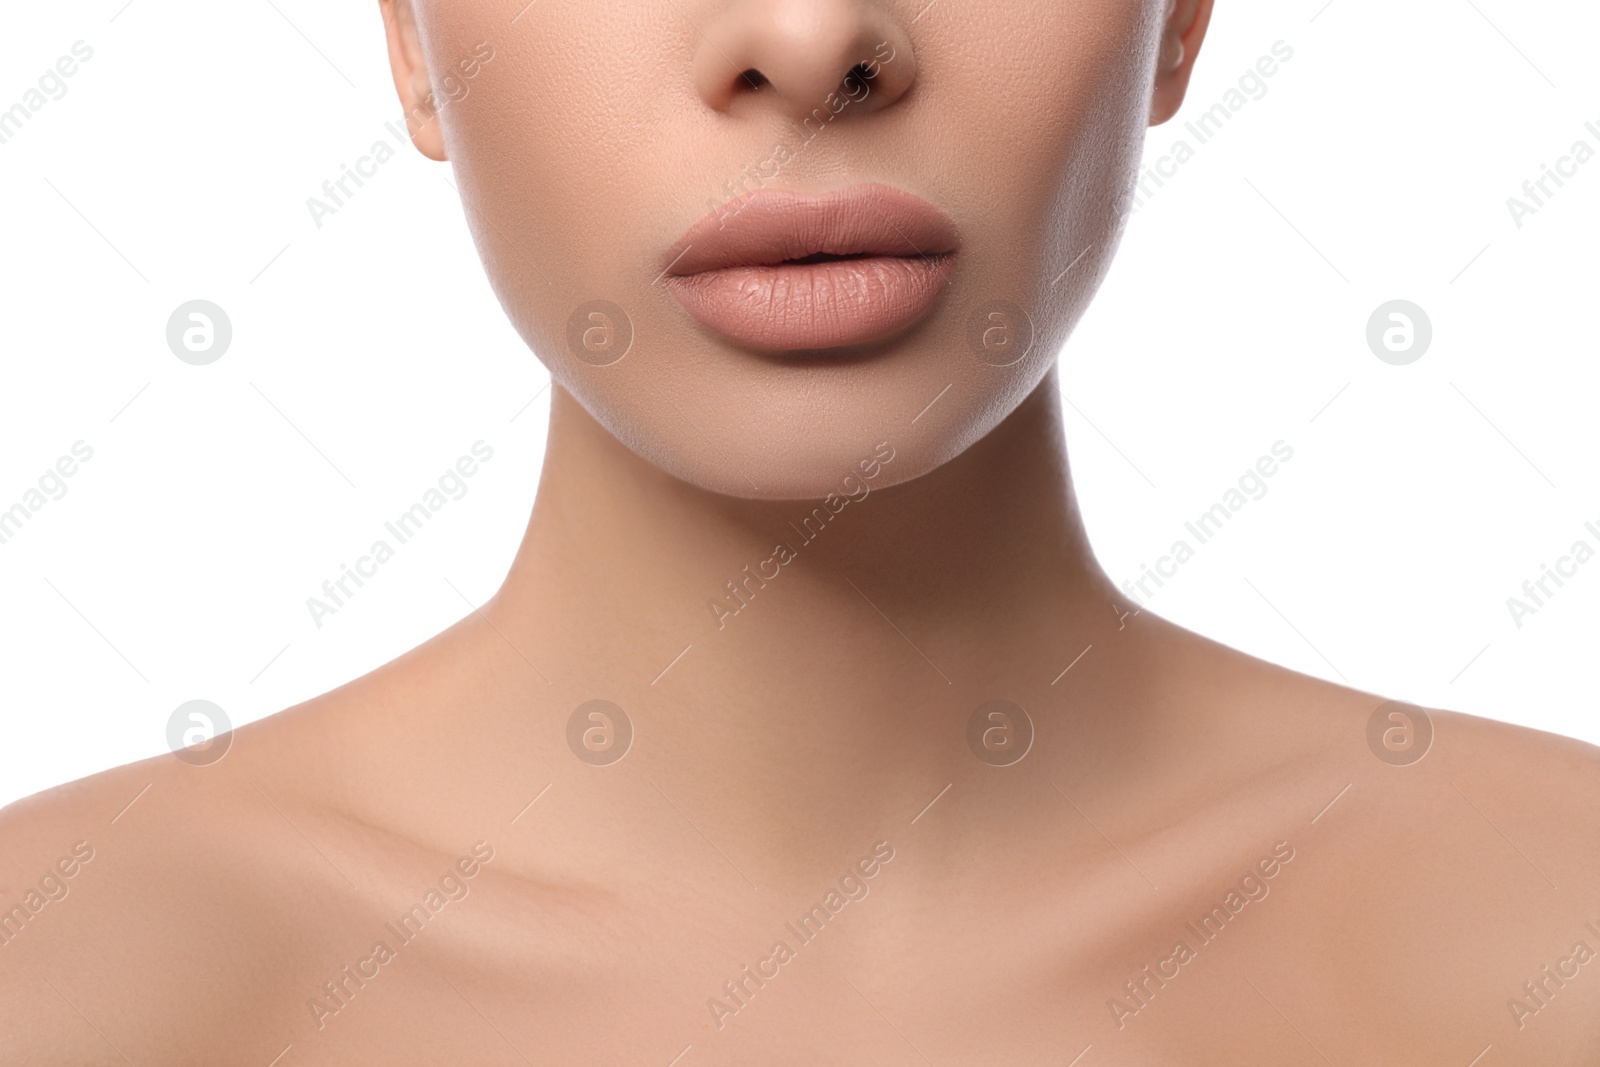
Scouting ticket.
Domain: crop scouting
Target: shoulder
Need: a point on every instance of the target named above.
(140, 905)
(1284, 734)
(56, 849)
(48, 841)
(1403, 752)
(1538, 791)
(1464, 789)
(176, 904)
(1483, 744)
(1543, 786)
(1446, 875)
(1456, 868)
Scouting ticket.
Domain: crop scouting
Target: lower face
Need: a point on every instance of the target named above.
(959, 221)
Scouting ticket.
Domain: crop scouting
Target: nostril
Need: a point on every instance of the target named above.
(754, 62)
(859, 75)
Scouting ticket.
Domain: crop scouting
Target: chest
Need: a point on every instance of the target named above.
(890, 975)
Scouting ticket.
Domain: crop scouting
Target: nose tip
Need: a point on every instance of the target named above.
(804, 56)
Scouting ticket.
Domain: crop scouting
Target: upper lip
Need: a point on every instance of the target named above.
(769, 227)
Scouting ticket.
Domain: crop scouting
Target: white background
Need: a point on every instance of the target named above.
(369, 354)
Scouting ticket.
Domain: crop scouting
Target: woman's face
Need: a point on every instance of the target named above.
(640, 176)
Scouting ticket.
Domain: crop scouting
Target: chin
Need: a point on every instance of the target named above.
(801, 425)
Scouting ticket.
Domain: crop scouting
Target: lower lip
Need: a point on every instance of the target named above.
(809, 306)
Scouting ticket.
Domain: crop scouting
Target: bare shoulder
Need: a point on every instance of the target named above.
(1424, 773)
(1545, 784)
(1455, 877)
(1446, 877)
(1318, 739)
(133, 906)
(140, 904)
(184, 910)
(1490, 741)
(56, 850)
(49, 841)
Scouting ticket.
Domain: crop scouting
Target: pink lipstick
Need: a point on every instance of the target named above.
(777, 270)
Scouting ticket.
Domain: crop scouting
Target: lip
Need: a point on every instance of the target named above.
(734, 271)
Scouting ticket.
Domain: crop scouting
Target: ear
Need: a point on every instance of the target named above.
(1181, 38)
(411, 79)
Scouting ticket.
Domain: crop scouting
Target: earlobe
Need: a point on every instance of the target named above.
(1181, 37)
(411, 81)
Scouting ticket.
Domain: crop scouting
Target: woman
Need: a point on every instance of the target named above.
(805, 727)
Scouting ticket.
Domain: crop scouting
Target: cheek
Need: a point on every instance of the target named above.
(561, 154)
(1037, 139)
(1051, 141)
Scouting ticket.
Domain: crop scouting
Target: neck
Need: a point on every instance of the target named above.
(892, 618)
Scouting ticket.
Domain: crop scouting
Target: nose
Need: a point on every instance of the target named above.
(804, 56)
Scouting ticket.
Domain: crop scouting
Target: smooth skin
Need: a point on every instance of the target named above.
(825, 724)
